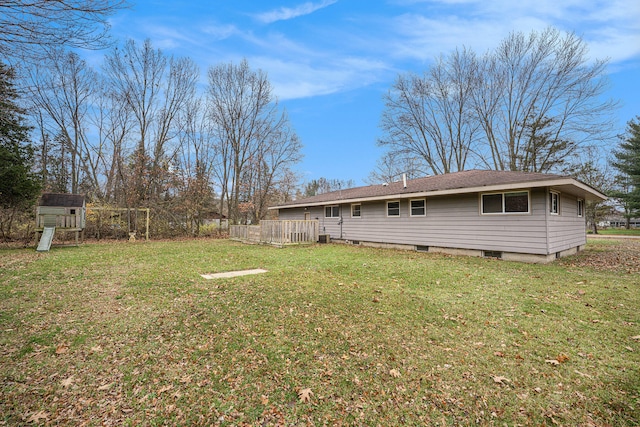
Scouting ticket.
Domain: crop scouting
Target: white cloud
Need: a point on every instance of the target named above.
(368, 47)
(285, 13)
(611, 30)
(425, 38)
(295, 79)
(162, 36)
(614, 44)
(220, 32)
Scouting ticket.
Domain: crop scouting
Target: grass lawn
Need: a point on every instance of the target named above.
(620, 231)
(130, 334)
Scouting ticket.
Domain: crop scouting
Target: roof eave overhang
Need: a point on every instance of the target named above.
(562, 184)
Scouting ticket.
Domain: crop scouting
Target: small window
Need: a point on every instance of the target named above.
(554, 203)
(332, 211)
(72, 211)
(356, 210)
(492, 203)
(418, 207)
(515, 202)
(580, 208)
(393, 208)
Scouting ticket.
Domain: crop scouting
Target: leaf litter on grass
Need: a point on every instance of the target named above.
(608, 255)
(176, 351)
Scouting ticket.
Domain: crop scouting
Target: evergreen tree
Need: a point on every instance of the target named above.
(19, 187)
(627, 162)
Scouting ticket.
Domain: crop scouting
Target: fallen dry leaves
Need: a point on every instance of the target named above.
(105, 387)
(500, 379)
(67, 382)
(62, 349)
(623, 256)
(40, 415)
(195, 354)
(305, 395)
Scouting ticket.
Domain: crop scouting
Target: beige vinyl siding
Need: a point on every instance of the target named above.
(453, 222)
(567, 229)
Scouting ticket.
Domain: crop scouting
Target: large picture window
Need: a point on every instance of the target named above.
(393, 208)
(332, 211)
(418, 207)
(515, 202)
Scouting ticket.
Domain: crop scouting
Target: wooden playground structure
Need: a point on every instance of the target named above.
(68, 213)
(64, 212)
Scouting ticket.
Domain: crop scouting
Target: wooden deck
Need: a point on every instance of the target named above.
(277, 233)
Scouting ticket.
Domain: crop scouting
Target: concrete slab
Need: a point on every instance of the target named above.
(229, 274)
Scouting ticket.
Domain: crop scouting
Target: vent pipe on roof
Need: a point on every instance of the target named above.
(404, 180)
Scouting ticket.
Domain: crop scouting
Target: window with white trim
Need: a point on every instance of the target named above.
(393, 208)
(554, 203)
(418, 207)
(332, 211)
(580, 208)
(512, 202)
(356, 210)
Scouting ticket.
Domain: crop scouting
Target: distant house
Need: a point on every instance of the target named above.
(215, 218)
(617, 220)
(510, 215)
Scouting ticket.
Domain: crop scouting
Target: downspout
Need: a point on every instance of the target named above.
(546, 218)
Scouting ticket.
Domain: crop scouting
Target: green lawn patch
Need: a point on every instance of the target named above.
(620, 232)
(131, 334)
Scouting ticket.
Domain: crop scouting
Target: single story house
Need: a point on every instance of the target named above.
(522, 216)
(617, 220)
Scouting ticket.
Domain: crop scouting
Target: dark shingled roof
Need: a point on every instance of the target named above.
(62, 200)
(445, 182)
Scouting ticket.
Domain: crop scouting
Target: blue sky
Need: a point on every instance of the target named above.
(330, 61)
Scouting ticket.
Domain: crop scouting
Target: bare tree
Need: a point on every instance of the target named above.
(539, 99)
(254, 139)
(430, 116)
(196, 163)
(28, 29)
(393, 164)
(528, 105)
(270, 167)
(63, 89)
(591, 169)
(112, 121)
(155, 88)
(324, 185)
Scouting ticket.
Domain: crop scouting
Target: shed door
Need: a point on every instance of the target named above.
(307, 216)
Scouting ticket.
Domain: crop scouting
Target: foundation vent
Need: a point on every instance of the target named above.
(492, 254)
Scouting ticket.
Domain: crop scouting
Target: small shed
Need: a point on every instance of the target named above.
(65, 212)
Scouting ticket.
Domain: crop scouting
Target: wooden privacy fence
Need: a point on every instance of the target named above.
(280, 233)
